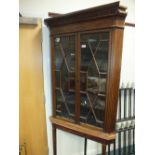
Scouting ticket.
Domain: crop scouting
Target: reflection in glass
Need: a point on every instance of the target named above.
(65, 75)
(83, 81)
(94, 62)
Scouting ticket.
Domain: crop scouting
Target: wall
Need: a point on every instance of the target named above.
(69, 144)
(39, 8)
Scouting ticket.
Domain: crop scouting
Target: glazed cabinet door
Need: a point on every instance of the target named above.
(92, 72)
(93, 77)
(64, 61)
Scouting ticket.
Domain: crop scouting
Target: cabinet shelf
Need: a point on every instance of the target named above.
(86, 72)
(95, 91)
(89, 90)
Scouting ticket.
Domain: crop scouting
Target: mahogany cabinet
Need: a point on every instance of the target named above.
(86, 51)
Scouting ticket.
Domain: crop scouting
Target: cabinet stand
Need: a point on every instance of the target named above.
(85, 143)
(103, 148)
(54, 139)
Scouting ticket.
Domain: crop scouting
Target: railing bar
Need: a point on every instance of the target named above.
(130, 96)
(133, 140)
(127, 119)
(129, 141)
(108, 149)
(124, 103)
(119, 143)
(133, 102)
(124, 143)
(120, 94)
(130, 128)
(114, 148)
(132, 148)
(85, 146)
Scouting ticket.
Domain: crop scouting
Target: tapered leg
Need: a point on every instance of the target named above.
(103, 149)
(85, 146)
(54, 140)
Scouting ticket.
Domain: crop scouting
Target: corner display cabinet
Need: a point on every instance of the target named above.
(86, 51)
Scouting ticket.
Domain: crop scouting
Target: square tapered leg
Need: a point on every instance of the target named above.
(54, 140)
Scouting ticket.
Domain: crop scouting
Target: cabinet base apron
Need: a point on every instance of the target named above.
(96, 135)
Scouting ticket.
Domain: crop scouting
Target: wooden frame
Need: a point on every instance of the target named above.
(109, 18)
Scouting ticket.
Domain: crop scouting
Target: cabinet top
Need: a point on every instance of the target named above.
(103, 11)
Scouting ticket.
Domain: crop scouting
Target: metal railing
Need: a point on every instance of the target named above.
(125, 126)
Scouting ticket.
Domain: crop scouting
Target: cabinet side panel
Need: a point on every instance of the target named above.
(115, 57)
(53, 76)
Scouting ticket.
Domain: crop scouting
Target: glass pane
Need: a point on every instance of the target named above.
(60, 104)
(65, 75)
(71, 78)
(84, 108)
(83, 81)
(57, 73)
(94, 63)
